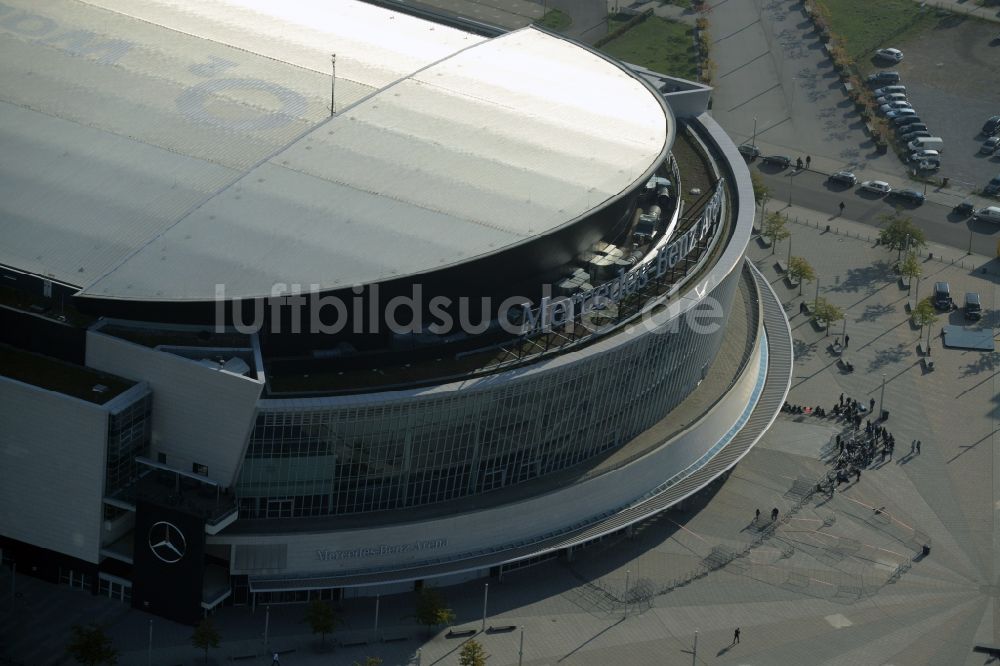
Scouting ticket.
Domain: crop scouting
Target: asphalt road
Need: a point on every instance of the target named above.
(811, 189)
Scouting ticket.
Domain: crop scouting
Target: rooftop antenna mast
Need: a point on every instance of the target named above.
(333, 85)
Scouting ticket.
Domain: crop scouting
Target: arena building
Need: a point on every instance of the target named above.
(309, 300)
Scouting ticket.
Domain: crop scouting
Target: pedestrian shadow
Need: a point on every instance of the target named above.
(725, 649)
(905, 459)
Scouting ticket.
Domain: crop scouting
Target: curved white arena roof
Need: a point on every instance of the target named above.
(155, 150)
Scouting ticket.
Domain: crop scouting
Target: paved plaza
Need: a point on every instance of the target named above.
(835, 580)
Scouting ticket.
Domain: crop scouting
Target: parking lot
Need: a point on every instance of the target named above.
(951, 80)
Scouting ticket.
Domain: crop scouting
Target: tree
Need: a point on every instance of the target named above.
(760, 190)
(321, 619)
(827, 312)
(774, 229)
(91, 646)
(431, 609)
(800, 270)
(925, 315)
(900, 230)
(910, 268)
(472, 654)
(205, 636)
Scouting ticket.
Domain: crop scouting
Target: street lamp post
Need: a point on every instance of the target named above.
(790, 189)
(971, 232)
(881, 398)
(149, 655)
(788, 262)
(377, 599)
(627, 572)
(753, 139)
(486, 594)
(267, 623)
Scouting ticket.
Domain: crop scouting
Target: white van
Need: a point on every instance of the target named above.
(988, 214)
(927, 143)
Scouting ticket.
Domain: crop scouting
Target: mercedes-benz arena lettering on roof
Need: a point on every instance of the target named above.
(321, 298)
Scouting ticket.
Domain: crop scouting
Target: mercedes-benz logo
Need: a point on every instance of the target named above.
(167, 542)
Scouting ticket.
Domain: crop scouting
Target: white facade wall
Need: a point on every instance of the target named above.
(199, 414)
(52, 460)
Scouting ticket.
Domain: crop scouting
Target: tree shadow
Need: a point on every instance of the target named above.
(865, 278)
(884, 357)
(873, 312)
(803, 350)
(985, 363)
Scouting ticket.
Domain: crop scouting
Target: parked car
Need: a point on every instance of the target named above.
(749, 150)
(877, 186)
(990, 145)
(927, 143)
(907, 137)
(843, 178)
(888, 90)
(909, 195)
(894, 55)
(988, 214)
(906, 120)
(942, 296)
(885, 76)
(973, 306)
(992, 126)
(914, 127)
(929, 165)
(891, 97)
(894, 106)
(781, 160)
(964, 209)
(992, 187)
(925, 154)
(905, 111)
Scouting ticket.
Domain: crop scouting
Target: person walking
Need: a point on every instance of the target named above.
(275, 661)
(841, 207)
(871, 405)
(756, 516)
(736, 636)
(847, 340)
(913, 446)
(841, 399)
(808, 161)
(857, 474)
(918, 447)
(774, 514)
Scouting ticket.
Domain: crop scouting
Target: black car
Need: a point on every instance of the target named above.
(907, 137)
(883, 77)
(843, 178)
(942, 296)
(992, 187)
(749, 150)
(900, 121)
(909, 195)
(965, 209)
(781, 160)
(992, 126)
(914, 127)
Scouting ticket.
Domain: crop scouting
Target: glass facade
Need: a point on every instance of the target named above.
(330, 456)
(129, 432)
